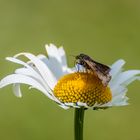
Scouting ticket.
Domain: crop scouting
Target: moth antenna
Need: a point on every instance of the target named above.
(77, 67)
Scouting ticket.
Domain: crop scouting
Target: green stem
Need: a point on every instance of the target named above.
(78, 124)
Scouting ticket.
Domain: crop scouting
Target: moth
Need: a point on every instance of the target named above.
(100, 70)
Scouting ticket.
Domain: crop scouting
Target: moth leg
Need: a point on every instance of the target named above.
(78, 69)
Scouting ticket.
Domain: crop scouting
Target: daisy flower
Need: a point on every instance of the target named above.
(67, 86)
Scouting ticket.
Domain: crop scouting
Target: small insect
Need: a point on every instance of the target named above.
(101, 70)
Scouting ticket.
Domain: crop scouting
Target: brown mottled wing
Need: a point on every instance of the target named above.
(101, 70)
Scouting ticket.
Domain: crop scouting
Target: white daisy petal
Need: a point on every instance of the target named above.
(16, 90)
(118, 98)
(28, 71)
(64, 106)
(22, 79)
(131, 80)
(126, 76)
(57, 71)
(120, 102)
(82, 104)
(42, 68)
(63, 56)
(72, 105)
(123, 78)
(15, 60)
(116, 67)
(57, 58)
(32, 74)
(53, 52)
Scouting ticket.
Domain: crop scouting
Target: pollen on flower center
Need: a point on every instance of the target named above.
(82, 87)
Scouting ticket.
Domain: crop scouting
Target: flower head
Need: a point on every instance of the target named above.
(65, 85)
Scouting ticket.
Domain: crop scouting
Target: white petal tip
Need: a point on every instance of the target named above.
(9, 58)
(64, 107)
(50, 45)
(46, 46)
(19, 96)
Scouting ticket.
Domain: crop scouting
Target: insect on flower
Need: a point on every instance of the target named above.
(68, 87)
(100, 70)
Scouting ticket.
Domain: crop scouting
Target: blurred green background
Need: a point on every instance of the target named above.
(104, 29)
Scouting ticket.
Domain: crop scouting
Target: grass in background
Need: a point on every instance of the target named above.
(105, 30)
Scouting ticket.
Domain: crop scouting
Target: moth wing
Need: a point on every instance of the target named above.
(101, 70)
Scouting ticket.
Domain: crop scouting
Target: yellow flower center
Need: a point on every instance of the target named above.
(82, 87)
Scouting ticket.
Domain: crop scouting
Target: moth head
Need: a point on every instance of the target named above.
(79, 59)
